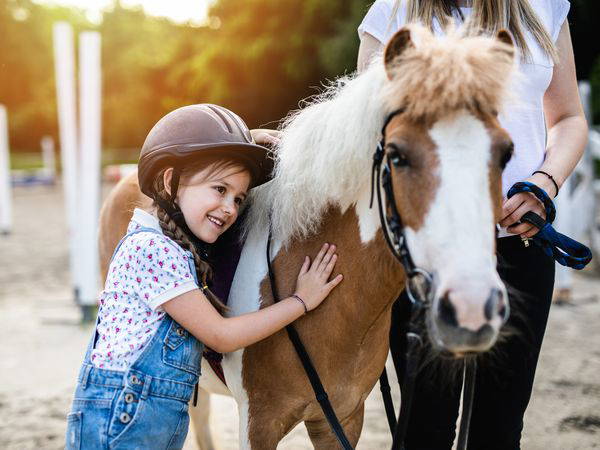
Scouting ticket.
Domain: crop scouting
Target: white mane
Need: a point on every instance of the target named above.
(324, 158)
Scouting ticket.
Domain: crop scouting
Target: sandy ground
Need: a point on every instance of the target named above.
(43, 343)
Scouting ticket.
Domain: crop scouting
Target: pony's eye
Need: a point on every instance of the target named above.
(398, 156)
(507, 153)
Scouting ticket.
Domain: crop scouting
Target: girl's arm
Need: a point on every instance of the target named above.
(194, 312)
(265, 136)
(567, 137)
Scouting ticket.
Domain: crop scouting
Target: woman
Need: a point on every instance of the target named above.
(549, 130)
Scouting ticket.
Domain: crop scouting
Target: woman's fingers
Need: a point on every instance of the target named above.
(521, 228)
(531, 233)
(509, 207)
(513, 218)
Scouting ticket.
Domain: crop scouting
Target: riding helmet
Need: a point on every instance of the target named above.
(202, 129)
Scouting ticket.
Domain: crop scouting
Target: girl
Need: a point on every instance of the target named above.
(549, 130)
(156, 310)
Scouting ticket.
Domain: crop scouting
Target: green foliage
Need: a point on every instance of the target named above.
(257, 57)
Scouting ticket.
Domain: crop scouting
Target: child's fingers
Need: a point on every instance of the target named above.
(326, 259)
(319, 257)
(334, 282)
(329, 267)
(305, 265)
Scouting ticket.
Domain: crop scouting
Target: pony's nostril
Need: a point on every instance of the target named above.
(494, 304)
(447, 311)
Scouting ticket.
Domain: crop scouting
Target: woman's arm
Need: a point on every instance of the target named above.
(194, 312)
(567, 137)
(369, 46)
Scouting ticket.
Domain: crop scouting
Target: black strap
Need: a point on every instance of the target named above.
(386, 394)
(414, 344)
(309, 368)
(534, 219)
(469, 375)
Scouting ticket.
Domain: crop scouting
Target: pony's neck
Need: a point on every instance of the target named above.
(357, 312)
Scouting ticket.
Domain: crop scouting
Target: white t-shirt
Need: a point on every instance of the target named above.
(524, 120)
(148, 270)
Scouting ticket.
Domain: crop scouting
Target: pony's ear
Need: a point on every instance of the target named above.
(399, 42)
(506, 38)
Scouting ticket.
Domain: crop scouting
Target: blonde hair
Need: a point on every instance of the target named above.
(488, 16)
(213, 168)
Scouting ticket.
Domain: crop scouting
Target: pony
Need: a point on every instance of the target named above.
(447, 150)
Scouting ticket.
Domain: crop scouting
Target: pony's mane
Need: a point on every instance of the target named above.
(439, 75)
(325, 154)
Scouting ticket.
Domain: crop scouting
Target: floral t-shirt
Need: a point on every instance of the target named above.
(148, 270)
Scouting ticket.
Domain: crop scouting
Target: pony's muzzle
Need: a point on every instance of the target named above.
(462, 324)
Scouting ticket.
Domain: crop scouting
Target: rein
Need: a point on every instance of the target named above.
(309, 368)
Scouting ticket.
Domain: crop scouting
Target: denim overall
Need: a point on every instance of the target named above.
(145, 407)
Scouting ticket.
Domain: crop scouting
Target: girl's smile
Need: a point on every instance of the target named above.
(210, 202)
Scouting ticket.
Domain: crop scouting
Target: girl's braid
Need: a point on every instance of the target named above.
(203, 269)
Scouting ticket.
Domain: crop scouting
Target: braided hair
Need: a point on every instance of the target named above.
(171, 229)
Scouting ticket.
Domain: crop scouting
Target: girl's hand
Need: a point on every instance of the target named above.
(313, 285)
(515, 207)
(263, 136)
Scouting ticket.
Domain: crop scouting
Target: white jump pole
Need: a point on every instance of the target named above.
(575, 204)
(64, 65)
(5, 187)
(48, 156)
(90, 123)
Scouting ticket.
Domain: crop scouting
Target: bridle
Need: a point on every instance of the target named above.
(419, 288)
(419, 281)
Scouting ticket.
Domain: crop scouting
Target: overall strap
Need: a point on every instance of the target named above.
(92, 342)
(564, 250)
(131, 233)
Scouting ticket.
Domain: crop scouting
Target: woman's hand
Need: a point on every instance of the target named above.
(263, 136)
(515, 207)
(313, 285)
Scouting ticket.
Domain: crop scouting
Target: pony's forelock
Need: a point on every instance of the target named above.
(439, 75)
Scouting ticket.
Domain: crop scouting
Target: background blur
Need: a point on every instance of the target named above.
(256, 57)
(260, 58)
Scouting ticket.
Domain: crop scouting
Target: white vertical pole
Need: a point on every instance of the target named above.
(89, 119)
(48, 156)
(575, 204)
(64, 65)
(5, 187)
